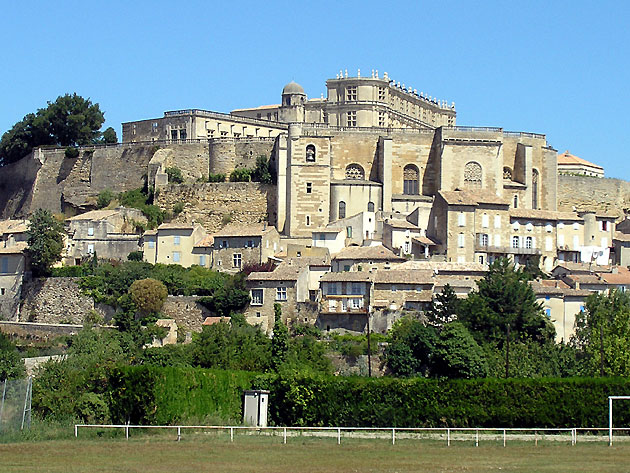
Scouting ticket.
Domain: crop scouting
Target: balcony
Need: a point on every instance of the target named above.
(343, 304)
(506, 250)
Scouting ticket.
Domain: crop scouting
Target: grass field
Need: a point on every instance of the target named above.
(201, 453)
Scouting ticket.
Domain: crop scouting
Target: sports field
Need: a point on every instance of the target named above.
(255, 454)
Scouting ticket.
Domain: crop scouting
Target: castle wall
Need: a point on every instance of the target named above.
(591, 193)
(210, 204)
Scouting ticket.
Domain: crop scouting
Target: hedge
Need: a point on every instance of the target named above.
(167, 395)
(156, 395)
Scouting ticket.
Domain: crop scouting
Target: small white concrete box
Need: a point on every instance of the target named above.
(255, 408)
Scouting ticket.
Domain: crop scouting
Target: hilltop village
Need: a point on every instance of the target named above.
(349, 211)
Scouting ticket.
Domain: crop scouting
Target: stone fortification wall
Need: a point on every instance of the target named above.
(213, 204)
(191, 158)
(592, 193)
(54, 301)
(226, 154)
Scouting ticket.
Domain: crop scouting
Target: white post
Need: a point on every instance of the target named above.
(284, 435)
(231, 434)
(574, 439)
(338, 436)
(476, 438)
(448, 437)
(179, 433)
(127, 431)
(393, 436)
(504, 437)
(536, 438)
(610, 433)
(76, 431)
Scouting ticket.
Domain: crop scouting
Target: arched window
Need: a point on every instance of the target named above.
(342, 209)
(410, 177)
(507, 173)
(516, 202)
(516, 242)
(529, 242)
(472, 174)
(535, 189)
(370, 207)
(310, 154)
(355, 172)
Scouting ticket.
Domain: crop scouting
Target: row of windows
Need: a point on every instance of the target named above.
(257, 295)
(342, 208)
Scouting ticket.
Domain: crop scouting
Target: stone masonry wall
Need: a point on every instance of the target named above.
(186, 311)
(211, 204)
(54, 301)
(591, 193)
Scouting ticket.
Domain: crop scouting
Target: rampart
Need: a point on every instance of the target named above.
(215, 204)
(593, 193)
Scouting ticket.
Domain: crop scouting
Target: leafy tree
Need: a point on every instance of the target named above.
(148, 295)
(457, 355)
(11, 364)
(216, 178)
(135, 256)
(71, 152)
(261, 172)
(105, 198)
(444, 307)
(602, 333)
(280, 340)
(70, 120)
(411, 347)
(504, 301)
(241, 175)
(232, 297)
(174, 175)
(109, 136)
(45, 242)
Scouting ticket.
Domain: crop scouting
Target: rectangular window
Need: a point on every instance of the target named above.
(497, 221)
(381, 94)
(485, 221)
(349, 232)
(3, 291)
(356, 288)
(346, 267)
(308, 220)
(90, 231)
(182, 135)
(237, 260)
(352, 118)
(515, 242)
(176, 256)
(548, 312)
(151, 244)
(528, 242)
(381, 119)
(351, 92)
(407, 247)
(5, 264)
(309, 187)
(224, 244)
(257, 296)
(483, 239)
(202, 260)
(250, 243)
(332, 288)
(604, 225)
(174, 135)
(154, 127)
(176, 240)
(460, 240)
(281, 293)
(461, 220)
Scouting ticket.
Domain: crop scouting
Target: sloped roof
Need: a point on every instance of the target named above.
(18, 247)
(544, 215)
(283, 272)
(472, 198)
(205, 242)
(372, 253)
(567, 158)
(353, 276)
(13, 226)
(444, 266)
(395, 276)
(259, 229)
(404, 224)
(619, 276)
(94, 215)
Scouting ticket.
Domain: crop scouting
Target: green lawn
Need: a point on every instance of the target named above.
(201, 453)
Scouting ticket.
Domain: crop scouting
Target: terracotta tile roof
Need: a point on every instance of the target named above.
(205, 242)
(558, 288)
(440, 282)
(176, 226)
(443, 266)
(585, 279)
(422, 296)
(568, 158)
(13, 226)
(214, 320)
(304, 261)
(544, 215)
(244, 231)
(403, 224)
(18, 247)
(424, 240)
(394, 276)
(467, 197)
(356, 276)
(150, 232)
(582, 267)
(94, 215)
(283, 272)
(372, 253)
(619, 236)
(619, 276)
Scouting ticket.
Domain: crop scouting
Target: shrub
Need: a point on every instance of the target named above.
(174, 175)
(135, 256)
(178, 208)
(105, 198)
(216, 178)
(71, 152)
(148, 294)
(241, 175)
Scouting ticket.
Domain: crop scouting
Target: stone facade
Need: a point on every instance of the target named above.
(584, 193)
(187, 313)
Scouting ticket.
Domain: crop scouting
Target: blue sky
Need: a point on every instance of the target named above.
(559, 68)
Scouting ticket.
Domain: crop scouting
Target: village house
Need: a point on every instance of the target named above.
(236, 246)
(173, 243)
(110, 234)
(364, 258)
(345, 301)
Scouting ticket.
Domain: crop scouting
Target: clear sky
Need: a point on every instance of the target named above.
(558, 68)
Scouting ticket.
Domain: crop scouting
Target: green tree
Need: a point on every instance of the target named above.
(602, 333)
(457, 355)
(71, 120)
(109, 136)
(148, 295)
(444, 307)
(104, 198)
(280, 340)
(45, 242)
(174, 175)
(411, 348)
(504, 302)
(261, 172)
(241, 175)
(11, 364)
